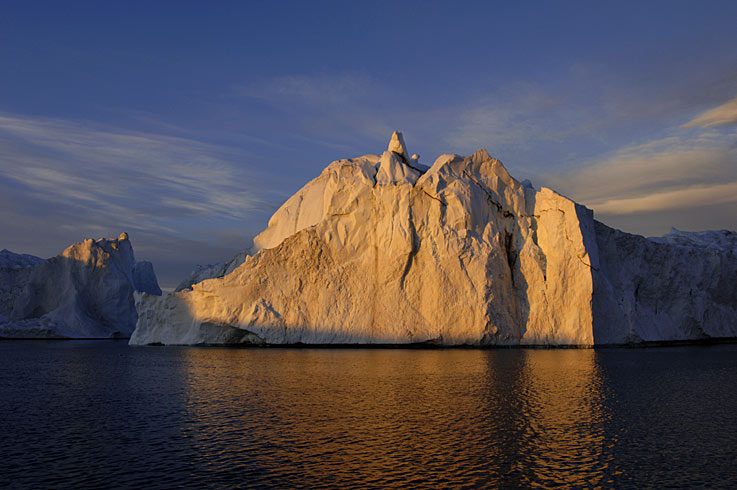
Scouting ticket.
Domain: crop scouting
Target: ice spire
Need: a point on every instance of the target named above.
(397, 146)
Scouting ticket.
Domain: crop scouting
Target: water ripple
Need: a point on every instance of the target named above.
(90, 415)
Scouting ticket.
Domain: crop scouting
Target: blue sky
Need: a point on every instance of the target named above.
(187, 124)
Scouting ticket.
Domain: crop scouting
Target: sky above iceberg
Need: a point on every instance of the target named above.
(187, 124)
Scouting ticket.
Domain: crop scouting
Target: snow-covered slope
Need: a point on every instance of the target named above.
(85, 292)
(379, 249)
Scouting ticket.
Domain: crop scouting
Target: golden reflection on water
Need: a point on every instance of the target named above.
(391, 418)
(563, 405)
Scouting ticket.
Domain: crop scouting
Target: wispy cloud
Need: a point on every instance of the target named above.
(118, 171)
(692, 196)
(723, 114)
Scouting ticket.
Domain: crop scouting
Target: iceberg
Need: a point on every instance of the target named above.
(381, 249)
(85, 292)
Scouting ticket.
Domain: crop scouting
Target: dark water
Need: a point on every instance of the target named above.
(77, 414)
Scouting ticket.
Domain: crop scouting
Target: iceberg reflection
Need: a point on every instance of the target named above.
(397, 417)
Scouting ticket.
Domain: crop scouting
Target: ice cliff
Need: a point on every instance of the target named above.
(15, 269)
(85, 292)
(381, 249)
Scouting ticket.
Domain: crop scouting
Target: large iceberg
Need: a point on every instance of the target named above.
(382, 250)
(85, 292)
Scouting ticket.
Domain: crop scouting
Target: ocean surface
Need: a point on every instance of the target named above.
(77, 414)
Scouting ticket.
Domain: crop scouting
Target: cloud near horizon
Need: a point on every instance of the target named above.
(670, 173)
(694, 167)
(724, 114)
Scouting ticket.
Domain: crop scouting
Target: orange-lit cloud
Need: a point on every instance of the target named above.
(678, 172)
(677, 199)
(723, 114)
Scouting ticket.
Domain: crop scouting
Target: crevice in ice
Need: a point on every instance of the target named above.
(413, 251)
(490, 197)
(422, 171)
(435, 198)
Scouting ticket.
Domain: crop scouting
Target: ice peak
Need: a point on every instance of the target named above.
(398, 146)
